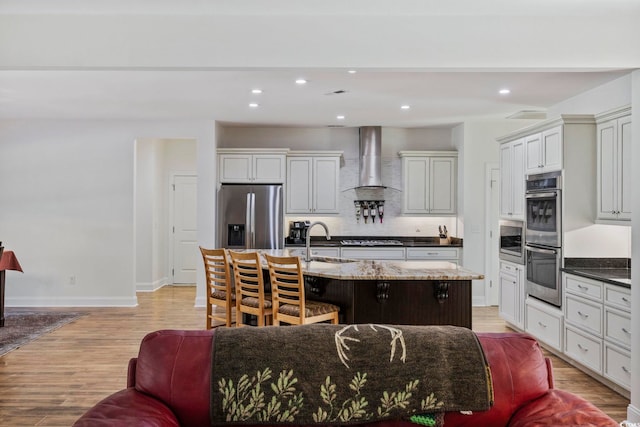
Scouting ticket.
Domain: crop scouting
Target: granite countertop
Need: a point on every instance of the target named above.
(616, 271)
(335, 241)
(349, 269)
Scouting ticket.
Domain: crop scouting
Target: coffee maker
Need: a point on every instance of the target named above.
(298, 231)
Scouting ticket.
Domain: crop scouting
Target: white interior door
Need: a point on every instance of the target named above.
(493, 234)
(185, 243)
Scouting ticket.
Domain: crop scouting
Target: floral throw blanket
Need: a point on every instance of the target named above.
(346, 374)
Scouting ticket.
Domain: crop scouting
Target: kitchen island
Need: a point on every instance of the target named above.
(389, 292)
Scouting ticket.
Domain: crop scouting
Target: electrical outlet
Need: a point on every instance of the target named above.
(72, 280)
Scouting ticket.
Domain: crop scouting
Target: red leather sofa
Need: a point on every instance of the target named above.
(168, 385)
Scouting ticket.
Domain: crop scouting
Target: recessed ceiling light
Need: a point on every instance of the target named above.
(352, 71)
(504, 91)
(256, 90)
(340, 117)
(405, 107)
(253, 105)
(301, 81)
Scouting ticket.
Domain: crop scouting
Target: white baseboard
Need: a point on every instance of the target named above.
(478, 301)
(151, 286)
(201, 301)
(72, 302)
(633, 414)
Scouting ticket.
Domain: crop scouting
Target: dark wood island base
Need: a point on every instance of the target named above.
(398, 302)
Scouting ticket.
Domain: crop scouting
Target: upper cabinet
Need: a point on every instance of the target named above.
(313, 182)
(567, 144)
(512, 179)
(429, 182)
(252, 166)
(544, 151)
(614, 165)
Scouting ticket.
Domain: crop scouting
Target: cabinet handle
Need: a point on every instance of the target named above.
(542, 324)
(626, 370)
(583, 348)
(626, 331)
(583, 315)
(625, 299)
(583, 288)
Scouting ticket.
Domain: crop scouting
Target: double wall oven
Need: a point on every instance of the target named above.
(543, 236)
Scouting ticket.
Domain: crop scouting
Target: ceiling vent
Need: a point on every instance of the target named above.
(529, 114)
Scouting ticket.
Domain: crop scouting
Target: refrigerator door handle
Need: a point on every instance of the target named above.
(253, 220)
(249, 225)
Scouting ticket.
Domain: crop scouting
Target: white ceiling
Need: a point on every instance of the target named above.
(447, 60)
(370, 97)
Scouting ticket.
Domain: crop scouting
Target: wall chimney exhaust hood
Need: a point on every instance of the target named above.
(370, 157)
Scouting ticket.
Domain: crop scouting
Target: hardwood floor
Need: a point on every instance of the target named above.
(53, 380)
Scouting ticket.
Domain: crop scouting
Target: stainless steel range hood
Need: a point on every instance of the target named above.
(370, 157)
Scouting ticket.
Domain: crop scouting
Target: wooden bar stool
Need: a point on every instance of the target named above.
(289, 303)
(220, 292)
(250, 295)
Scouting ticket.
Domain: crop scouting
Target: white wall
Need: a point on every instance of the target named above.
(634, 407)
(68, 207)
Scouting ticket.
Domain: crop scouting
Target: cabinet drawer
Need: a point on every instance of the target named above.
(584, 348)
(617, 365)
(617, 327)
(373, 253)
(618, 296)
(330, 252)
(544, 326)
(584, 314)
(432, 253)
(584, 287)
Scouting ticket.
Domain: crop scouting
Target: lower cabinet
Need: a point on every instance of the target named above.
(433, 254)
(374, 253)
(323, 251)
(545, 322)
(511, 294)
(598, 327)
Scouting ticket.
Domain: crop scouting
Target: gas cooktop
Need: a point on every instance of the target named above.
(349, 242)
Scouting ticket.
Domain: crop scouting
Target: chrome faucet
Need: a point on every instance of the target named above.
(308, 245)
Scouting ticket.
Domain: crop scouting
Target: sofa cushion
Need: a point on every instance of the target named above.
(175, 367)
(519, 374)
(561, 408)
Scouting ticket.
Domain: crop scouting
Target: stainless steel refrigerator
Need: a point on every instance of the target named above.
(250, 216)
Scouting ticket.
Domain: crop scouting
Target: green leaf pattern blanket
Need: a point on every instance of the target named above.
(346, 374)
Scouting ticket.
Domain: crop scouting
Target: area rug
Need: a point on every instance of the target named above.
(21, 327)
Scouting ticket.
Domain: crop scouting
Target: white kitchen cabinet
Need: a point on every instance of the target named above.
(388, 253)
(598, 327)
(322, 251)
(429, 182)
(512, 179)
(544, 151)
(313, 182)
(251, 166)
(511, 294)
(433, 254)
(617, 335)
(614, 165)
(545, 323)
(568, 144)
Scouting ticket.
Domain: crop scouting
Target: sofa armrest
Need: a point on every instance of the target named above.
(131, 372)
(127, 408)
(560, 408)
